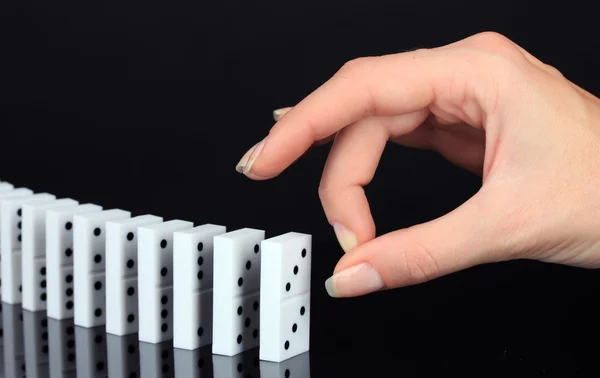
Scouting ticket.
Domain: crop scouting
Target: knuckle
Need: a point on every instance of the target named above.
(493, 40)
(419, 263)
(356, 65)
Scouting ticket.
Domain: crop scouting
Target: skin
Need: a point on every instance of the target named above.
(486, 105)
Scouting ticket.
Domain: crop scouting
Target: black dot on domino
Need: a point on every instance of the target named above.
(20, 288)
(304, 253)
(130, 236)
(164, 327)
(131, 349)
(255, 333)
(240, 282)
(164, 299)
(163, 244)
(98, 312)
(255, 305)
(19, 237)
(70, 330)
(302, 310)
(294, 328)
(201, 362)
(288, 286)
(248, 265)
(130, 318)
(296, 270)
(164, 313)
(247, 322)
(165, 368)
(240, 367)
(130, 263)
(98, 285)
(286, 345)
(256, 248)
(165, 354)
(43, 284)
(68, 252)
(97, 259)
(43, 296)
(200, 247)
(163, 272)
(19, 225)
(69, 305)
(69, 278)
(100, 366)
(69, 292)
(240, 310)
(200, 260)
(200, 275)
(200, 331)
(98, 339)
(239, 339)
(68, 226)
(287, 373)
(19, 212)
(43, 271)
(130, 291)
(45, 349)
(70, 343)
(97, 231)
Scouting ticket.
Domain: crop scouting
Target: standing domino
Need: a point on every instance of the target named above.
(285, 296)
(34, 252)
(6, 187)
(155, 280)
(236, 291)
(122, 273)
(59, 259)
(89, 243)
(4, 194)
(11, 226)
(193, 286)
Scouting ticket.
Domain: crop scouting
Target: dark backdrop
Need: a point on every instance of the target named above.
(147, 106)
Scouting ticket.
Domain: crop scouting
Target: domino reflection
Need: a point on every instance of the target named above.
(156, 360)
(245, 364)
(14, 351)
(62, 348)
(91, 358)
(194, 363)
(35, 334)
(296, 367)
(123, 356)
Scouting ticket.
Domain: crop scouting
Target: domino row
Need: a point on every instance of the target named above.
(164, 280)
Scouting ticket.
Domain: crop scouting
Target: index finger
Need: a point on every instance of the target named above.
(375, 86)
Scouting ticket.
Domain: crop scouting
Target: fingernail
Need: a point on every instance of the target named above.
(253, 156)
(244, 160)
(277, 114)
(345, 237)
(359, 280)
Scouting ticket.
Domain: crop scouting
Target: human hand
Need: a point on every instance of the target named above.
(484, 104)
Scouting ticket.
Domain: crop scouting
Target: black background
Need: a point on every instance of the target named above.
(148, 106)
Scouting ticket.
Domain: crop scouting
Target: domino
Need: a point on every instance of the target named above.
(285, 296)
(245, 364)
(193, 286)
(236, 291)
(89, 243)
(11, 213)
(35, 334)
(14, 348)
(122, 273)
(298, 366)
(155, 280)
(123, 356)
(63, 362)
(91, 357)
(59, 260)
(156, 360)
(33, 257)
(6, 187)
(194, 363)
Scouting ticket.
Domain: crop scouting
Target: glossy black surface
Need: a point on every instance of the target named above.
(35, 346)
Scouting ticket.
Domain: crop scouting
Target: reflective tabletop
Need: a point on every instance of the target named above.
(35, 346)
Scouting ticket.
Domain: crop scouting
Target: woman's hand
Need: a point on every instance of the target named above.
(486, 105)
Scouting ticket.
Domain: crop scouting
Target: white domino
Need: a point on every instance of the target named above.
(89, 244)
(193, 286)
(9, 192)
(34, 271)
(236, 291)
(155, 280)
(59, 260)
(122, 273)
(6, 187)
(285, 296)
(11, 213)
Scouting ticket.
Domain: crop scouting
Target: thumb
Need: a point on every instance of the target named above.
(466, 237)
